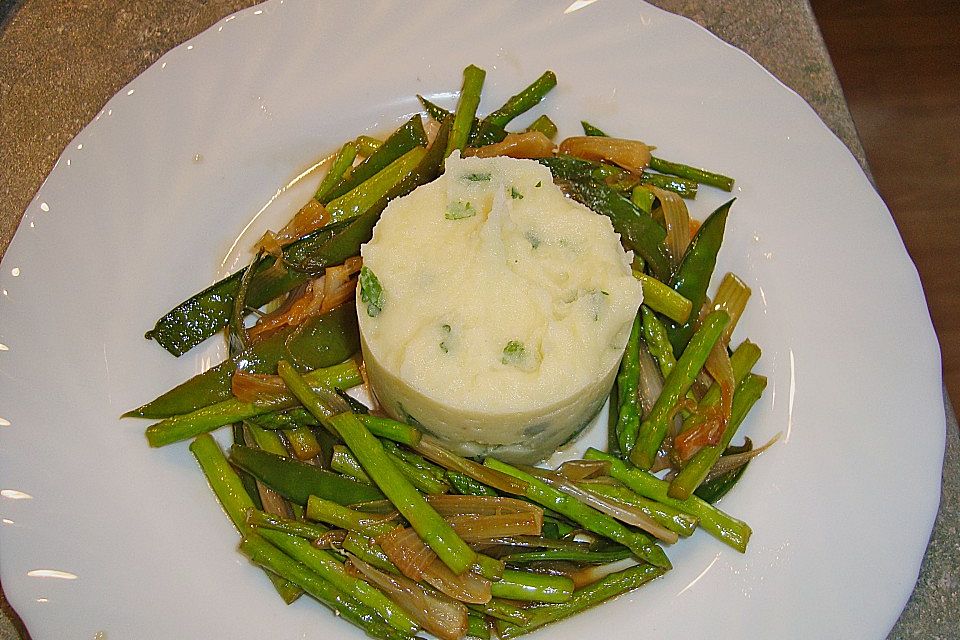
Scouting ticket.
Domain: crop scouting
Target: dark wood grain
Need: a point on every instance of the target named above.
(899, 65)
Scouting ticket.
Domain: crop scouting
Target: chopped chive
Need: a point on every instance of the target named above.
(513, 353)
(459, 210)
(477, 177)
(371, 292)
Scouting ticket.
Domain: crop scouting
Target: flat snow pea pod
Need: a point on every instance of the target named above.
(438, 113)
(638, 231)
(338, 166)
(322, 341)
(297, 481)
(712, 490)
(694, 273)
(196, 319)
(408, 136)
(590, 130)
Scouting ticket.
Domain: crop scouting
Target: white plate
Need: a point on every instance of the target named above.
(101, 533)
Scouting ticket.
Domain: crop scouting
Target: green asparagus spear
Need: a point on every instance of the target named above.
(544, 125)
(268, 441)
(432, 450)
(334, 513)
(423, 481)
(264, 554)
(263, 520)
(409, 136)
(501, 609)
(427, 480)
(428, 524)
(586, 516)
(697, 468)
(685, 188)
(303, 443)
(391, 429)
(223, 480)
(662, 299)
(658, 343)
(673, 519)
(182, 427)
(369, 551)
(582, 599)
(490, 127)
(347, 243)
(466, 108)
(467, 486)
(327, 567)
(741, 361)
(712, 520)
(233, 497)
(628, 378)
(654, 427)
(527, 586)
(586, 556)
(691, 173)
(360, 198)
(477, 627)
(344, 462)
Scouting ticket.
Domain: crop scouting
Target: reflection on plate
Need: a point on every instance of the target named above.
(99, 533)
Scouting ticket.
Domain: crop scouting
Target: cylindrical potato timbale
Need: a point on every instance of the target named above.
(493, 310)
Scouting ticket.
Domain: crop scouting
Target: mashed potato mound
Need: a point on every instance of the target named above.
(494, 310)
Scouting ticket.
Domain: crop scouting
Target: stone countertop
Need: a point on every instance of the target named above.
(61, 60)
